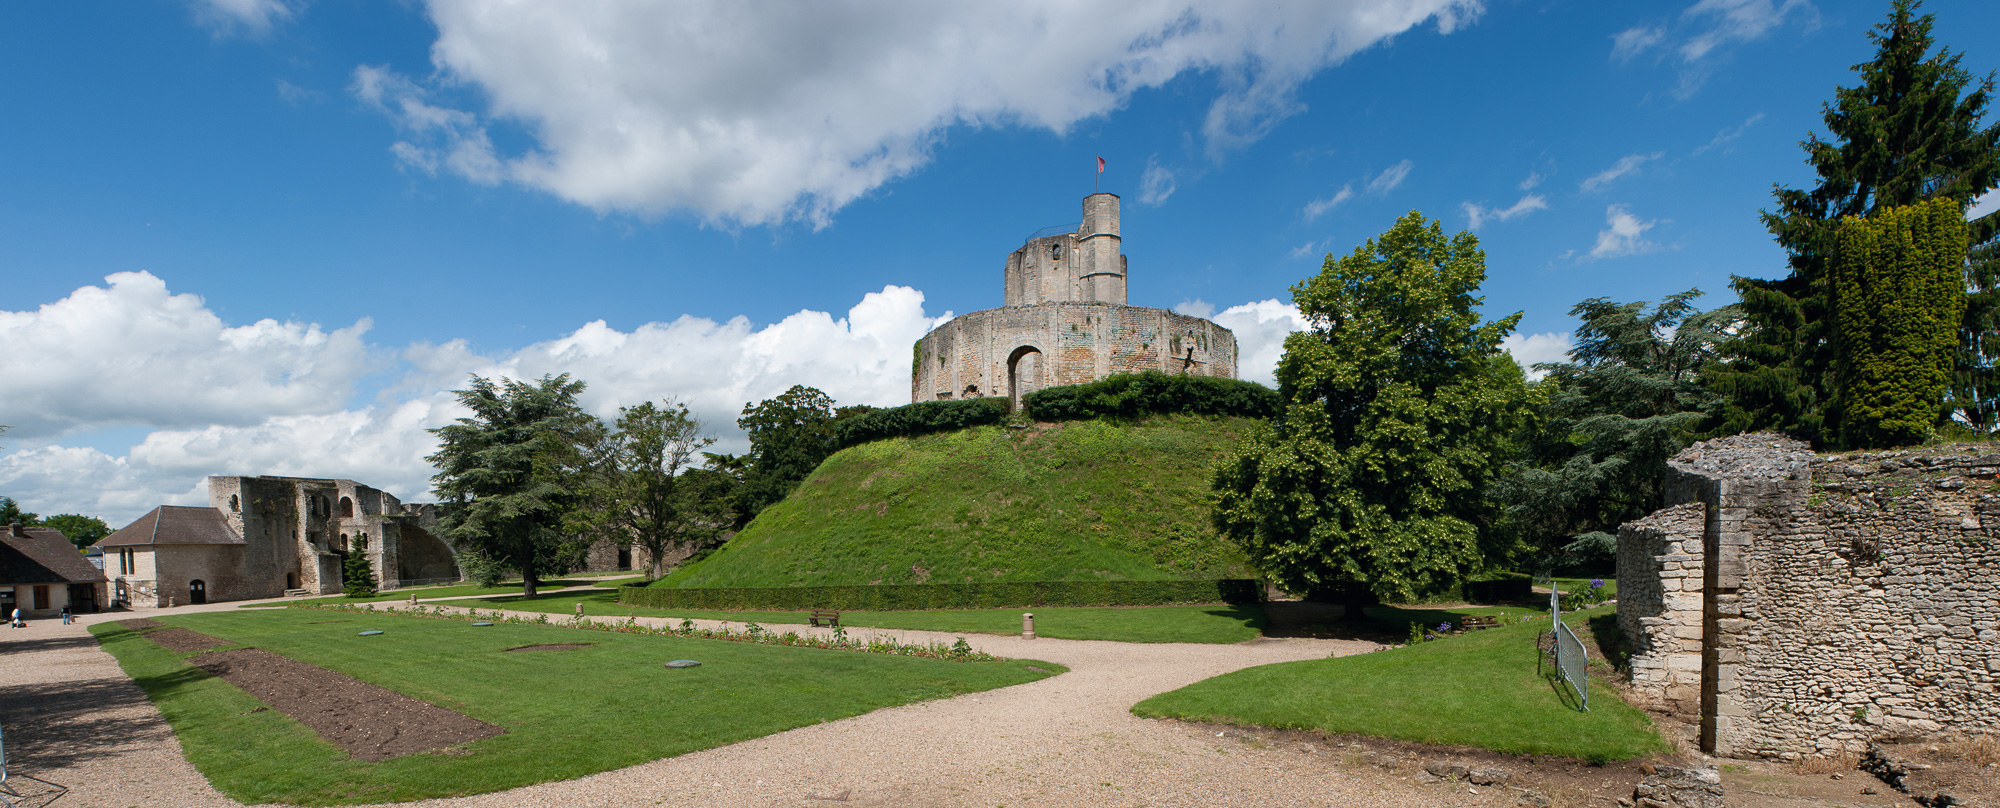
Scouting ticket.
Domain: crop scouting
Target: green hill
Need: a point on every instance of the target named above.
(1078, 500)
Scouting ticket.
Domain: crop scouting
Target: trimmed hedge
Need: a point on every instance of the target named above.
(912, 597)
(921, 418)
(1130, 395)
(1502, 587)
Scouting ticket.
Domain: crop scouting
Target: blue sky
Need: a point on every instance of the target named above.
(269, 237)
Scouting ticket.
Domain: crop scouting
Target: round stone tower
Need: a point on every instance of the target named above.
(1065, 322)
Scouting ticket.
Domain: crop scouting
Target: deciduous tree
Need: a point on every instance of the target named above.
(82, 531)
(649, 494)
(1399, 407)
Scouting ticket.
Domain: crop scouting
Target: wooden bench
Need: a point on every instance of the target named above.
(824, 617)
(1477, 622)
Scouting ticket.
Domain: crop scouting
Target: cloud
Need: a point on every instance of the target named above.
(1621, 235)
(1318, 206)
(1985, 204)
(1196, 307)
(1479, 215)
(130, 352)
(295, 95)
(1634, 41)
(1534, 179)
(1389, 178)
(1705, 32)
(279, 398)
(1260, 329)
(743, 115)
(1625, 165)
(1529, 350)
(253, 17)
(1725, 136)
(1156, 184)
(1308, 248)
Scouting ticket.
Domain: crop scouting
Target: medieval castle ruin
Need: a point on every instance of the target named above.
(1799, 605)
(1065, 322)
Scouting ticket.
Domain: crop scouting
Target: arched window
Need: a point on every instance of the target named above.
(234, 504)
(346, 508)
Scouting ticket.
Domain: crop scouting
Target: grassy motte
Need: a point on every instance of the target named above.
(1079, 500)
(567, 713)
(1214, 623)
(1479, 689)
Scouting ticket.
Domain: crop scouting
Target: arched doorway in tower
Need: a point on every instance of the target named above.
(1024, 374)
(197, 591)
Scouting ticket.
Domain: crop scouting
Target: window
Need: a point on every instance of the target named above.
(234, 504)
(125, 561)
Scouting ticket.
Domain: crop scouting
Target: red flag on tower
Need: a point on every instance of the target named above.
(1100, 165)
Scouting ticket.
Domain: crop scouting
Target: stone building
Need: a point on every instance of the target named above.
(42, 573)
(262, 537)
(1065, 322)
(1801, 605)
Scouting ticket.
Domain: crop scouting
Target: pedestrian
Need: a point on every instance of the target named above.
(66, 617)
(18, 622)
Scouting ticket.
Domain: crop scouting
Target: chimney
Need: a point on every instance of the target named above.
(14, 529)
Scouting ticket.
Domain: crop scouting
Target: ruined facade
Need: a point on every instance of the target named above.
(1064, 321)
(1801, 605)
(262, 537)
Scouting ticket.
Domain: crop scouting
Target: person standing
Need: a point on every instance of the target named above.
(18, 622)
(66, 617)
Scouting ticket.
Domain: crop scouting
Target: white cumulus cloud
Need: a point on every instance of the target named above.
(1156, 184)
(254, 17)
(748, 114)
(1529, 350)
(1622, 235)
(1260, 329)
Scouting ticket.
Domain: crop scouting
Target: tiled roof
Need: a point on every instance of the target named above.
(40, 555)
(174, 524)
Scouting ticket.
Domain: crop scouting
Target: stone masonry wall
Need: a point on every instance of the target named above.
(1845, 597)
(1063, 343)
(1660, 605)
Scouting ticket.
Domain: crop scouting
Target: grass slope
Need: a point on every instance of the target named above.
(1216, 623)
(567, 714)
(1481, 689)
(1080, 500)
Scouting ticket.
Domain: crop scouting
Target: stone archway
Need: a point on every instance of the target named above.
(1024, 374)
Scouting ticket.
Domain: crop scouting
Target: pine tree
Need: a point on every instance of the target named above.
(357, 573)
(1907, 133)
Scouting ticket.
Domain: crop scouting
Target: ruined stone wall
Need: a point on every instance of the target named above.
(1660, 606)
(1845, 597)
(1019, 349)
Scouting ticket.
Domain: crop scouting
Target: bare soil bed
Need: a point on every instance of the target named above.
(560, 646)
(372, 723)
(183, 641)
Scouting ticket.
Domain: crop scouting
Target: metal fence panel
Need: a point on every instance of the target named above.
(1573, 663)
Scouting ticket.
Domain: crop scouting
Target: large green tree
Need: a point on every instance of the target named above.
(1399, 406)
(82, 531)
(648, 493)
(1899, 298)
(1908, 132)
(511, 475)
(10, 512)
(1630, 397)
(789, 436)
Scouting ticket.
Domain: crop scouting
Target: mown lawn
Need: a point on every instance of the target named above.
(1483, 689)
(433, 592)
(567, 713)
(1216, 623)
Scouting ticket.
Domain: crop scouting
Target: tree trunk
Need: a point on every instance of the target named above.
(1354, 601)
(655, 565)
(528, 580)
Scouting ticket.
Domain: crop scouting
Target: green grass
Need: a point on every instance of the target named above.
(432, 592)
(1570, 585)
(1217, 623)
(1080, 500)
(567, 714)
(1479, 689)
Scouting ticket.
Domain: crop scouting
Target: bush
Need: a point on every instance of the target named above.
(911, 597)
(357, 573)
(1131, 395)
(480, 569)
(921, 418)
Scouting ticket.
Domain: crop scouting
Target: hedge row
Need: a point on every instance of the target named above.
(909, 597)
(1131, 395)
(921, 418)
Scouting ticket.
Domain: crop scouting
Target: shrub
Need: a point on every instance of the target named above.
(1131, 395)
(921, 418)
(910, 597)
(357, 573)
(480, 569)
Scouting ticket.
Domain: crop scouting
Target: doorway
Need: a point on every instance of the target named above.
(197, 591)
(1023, 374)
(625, 557)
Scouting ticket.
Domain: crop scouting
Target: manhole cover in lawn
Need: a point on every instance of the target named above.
(370, 633)
(561, 646)
(682, 663)
(481, 623)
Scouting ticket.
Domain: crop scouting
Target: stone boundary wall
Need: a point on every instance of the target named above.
(1844, 598)
(976, 354)
(1660, 606)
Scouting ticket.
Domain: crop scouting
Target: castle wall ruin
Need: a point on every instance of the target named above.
(1802, 605)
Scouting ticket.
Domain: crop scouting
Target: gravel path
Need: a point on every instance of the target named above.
(72, 717)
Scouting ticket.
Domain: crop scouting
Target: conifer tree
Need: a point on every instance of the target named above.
(1899, 298)
(357, 573)
(1907, 133)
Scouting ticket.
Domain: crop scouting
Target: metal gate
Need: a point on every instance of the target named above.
(1572, 662)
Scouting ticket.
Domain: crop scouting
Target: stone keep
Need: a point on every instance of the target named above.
(1065, 322)
(1800, 605)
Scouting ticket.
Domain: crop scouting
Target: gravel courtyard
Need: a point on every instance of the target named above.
(73, 718)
